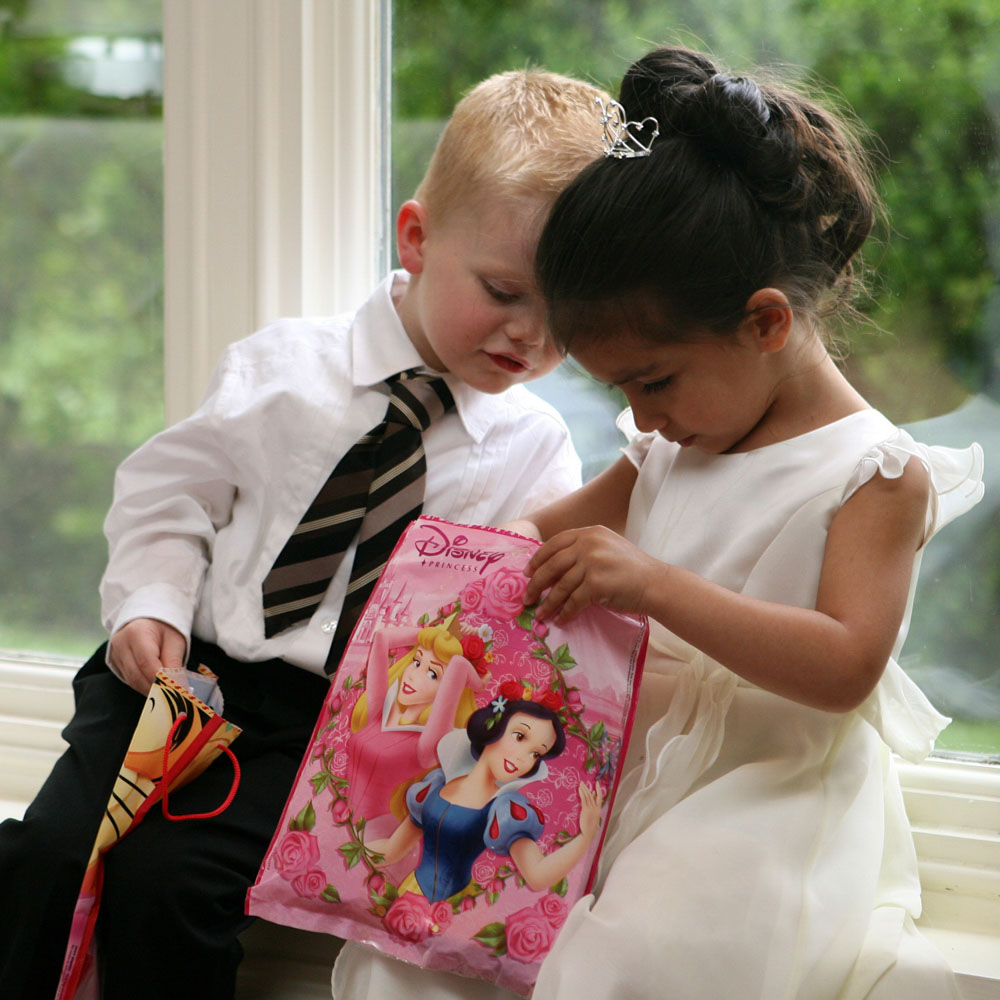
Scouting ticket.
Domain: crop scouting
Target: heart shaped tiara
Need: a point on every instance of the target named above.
(621, 137)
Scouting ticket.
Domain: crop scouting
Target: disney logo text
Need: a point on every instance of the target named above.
(440, 545)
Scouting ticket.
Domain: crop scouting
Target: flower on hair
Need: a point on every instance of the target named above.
(474, 650)
(519, 691)
(498, 704)
(512, 690)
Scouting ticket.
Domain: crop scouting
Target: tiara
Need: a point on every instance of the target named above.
(620, 138)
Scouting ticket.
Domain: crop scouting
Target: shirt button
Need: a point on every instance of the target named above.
(328, 625)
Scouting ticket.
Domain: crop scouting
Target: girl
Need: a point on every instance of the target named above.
(770, 524)
(420, 697)
(474, 801)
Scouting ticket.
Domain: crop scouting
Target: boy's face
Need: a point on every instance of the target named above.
(472, 307)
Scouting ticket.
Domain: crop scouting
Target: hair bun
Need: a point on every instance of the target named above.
(742, 94)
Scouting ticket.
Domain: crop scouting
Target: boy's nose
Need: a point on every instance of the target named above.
(528, 329)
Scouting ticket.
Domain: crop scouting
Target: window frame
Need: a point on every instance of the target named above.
(276, 121)
(267, 138)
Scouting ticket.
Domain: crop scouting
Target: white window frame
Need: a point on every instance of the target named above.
(275, 170)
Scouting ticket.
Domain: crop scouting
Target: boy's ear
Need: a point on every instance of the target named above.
(411, 233)
(769, 318)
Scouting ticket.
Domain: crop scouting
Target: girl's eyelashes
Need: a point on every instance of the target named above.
(658, 386)
(498, 293)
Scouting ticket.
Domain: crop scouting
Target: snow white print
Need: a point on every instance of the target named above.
(474, 801)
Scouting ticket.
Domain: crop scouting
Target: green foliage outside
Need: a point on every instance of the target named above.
(81, 329)
(81, 274)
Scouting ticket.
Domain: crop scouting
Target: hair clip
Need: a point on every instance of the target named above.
(620, 138)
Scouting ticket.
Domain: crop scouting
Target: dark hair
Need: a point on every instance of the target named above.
(481, 734)
(746, 187)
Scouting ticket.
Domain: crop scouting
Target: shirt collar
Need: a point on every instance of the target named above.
(381, 347)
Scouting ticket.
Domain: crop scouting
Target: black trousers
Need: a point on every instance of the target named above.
(173, 897)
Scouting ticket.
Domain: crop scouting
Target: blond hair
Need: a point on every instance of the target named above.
(523, 133)
(438, 640)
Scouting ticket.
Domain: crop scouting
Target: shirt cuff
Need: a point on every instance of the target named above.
(159, 601)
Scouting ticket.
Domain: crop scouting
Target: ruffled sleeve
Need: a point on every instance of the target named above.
(511, 817)
(897, 709)
(638, 441)
(956, 475)
(418, 793)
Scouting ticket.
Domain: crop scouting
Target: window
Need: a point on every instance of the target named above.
(80, 297)
(920, 77)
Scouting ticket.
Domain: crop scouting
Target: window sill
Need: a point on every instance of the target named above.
(953, 805)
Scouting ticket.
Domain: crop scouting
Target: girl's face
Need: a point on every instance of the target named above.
(706, 394)
(525, 741)
(421, 679)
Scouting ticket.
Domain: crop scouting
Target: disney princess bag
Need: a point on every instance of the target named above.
(451, 807)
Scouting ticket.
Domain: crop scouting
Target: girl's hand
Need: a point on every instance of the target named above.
(591, 802)
(585, 566)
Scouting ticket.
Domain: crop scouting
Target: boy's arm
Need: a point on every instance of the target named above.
(171, 496)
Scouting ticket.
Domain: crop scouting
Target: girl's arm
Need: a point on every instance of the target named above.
(603, 500)
(830, 657)
(542, 870)
(459, 674)
(398, 845)
(377, 674)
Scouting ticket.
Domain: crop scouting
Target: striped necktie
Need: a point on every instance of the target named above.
(377, 487)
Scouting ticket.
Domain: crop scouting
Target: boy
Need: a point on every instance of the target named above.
(202, 514)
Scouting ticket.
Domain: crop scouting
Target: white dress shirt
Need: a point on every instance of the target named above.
(201, 511)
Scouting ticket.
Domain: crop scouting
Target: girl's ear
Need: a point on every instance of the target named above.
(411, 234)
(769, 319)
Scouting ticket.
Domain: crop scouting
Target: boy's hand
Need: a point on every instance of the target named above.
(144, 646)
(585, 566)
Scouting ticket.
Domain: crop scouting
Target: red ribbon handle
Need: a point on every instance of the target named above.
(166, 789)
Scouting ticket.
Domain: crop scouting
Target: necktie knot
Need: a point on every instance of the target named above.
(417, 399)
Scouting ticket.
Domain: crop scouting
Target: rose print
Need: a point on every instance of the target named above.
(529, 935)
(472, 595)
(410, 917)
(309, 884)
(441, 914)
(297, 854)
(554, 909)
(503, 593)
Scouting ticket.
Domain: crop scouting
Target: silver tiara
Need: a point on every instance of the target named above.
(620, 139)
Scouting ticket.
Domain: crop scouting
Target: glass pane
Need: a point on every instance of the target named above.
(922, 77)
(81, 285)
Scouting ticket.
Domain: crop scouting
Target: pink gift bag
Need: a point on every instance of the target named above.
(452, 805)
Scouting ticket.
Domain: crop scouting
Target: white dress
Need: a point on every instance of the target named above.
(759, 848)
